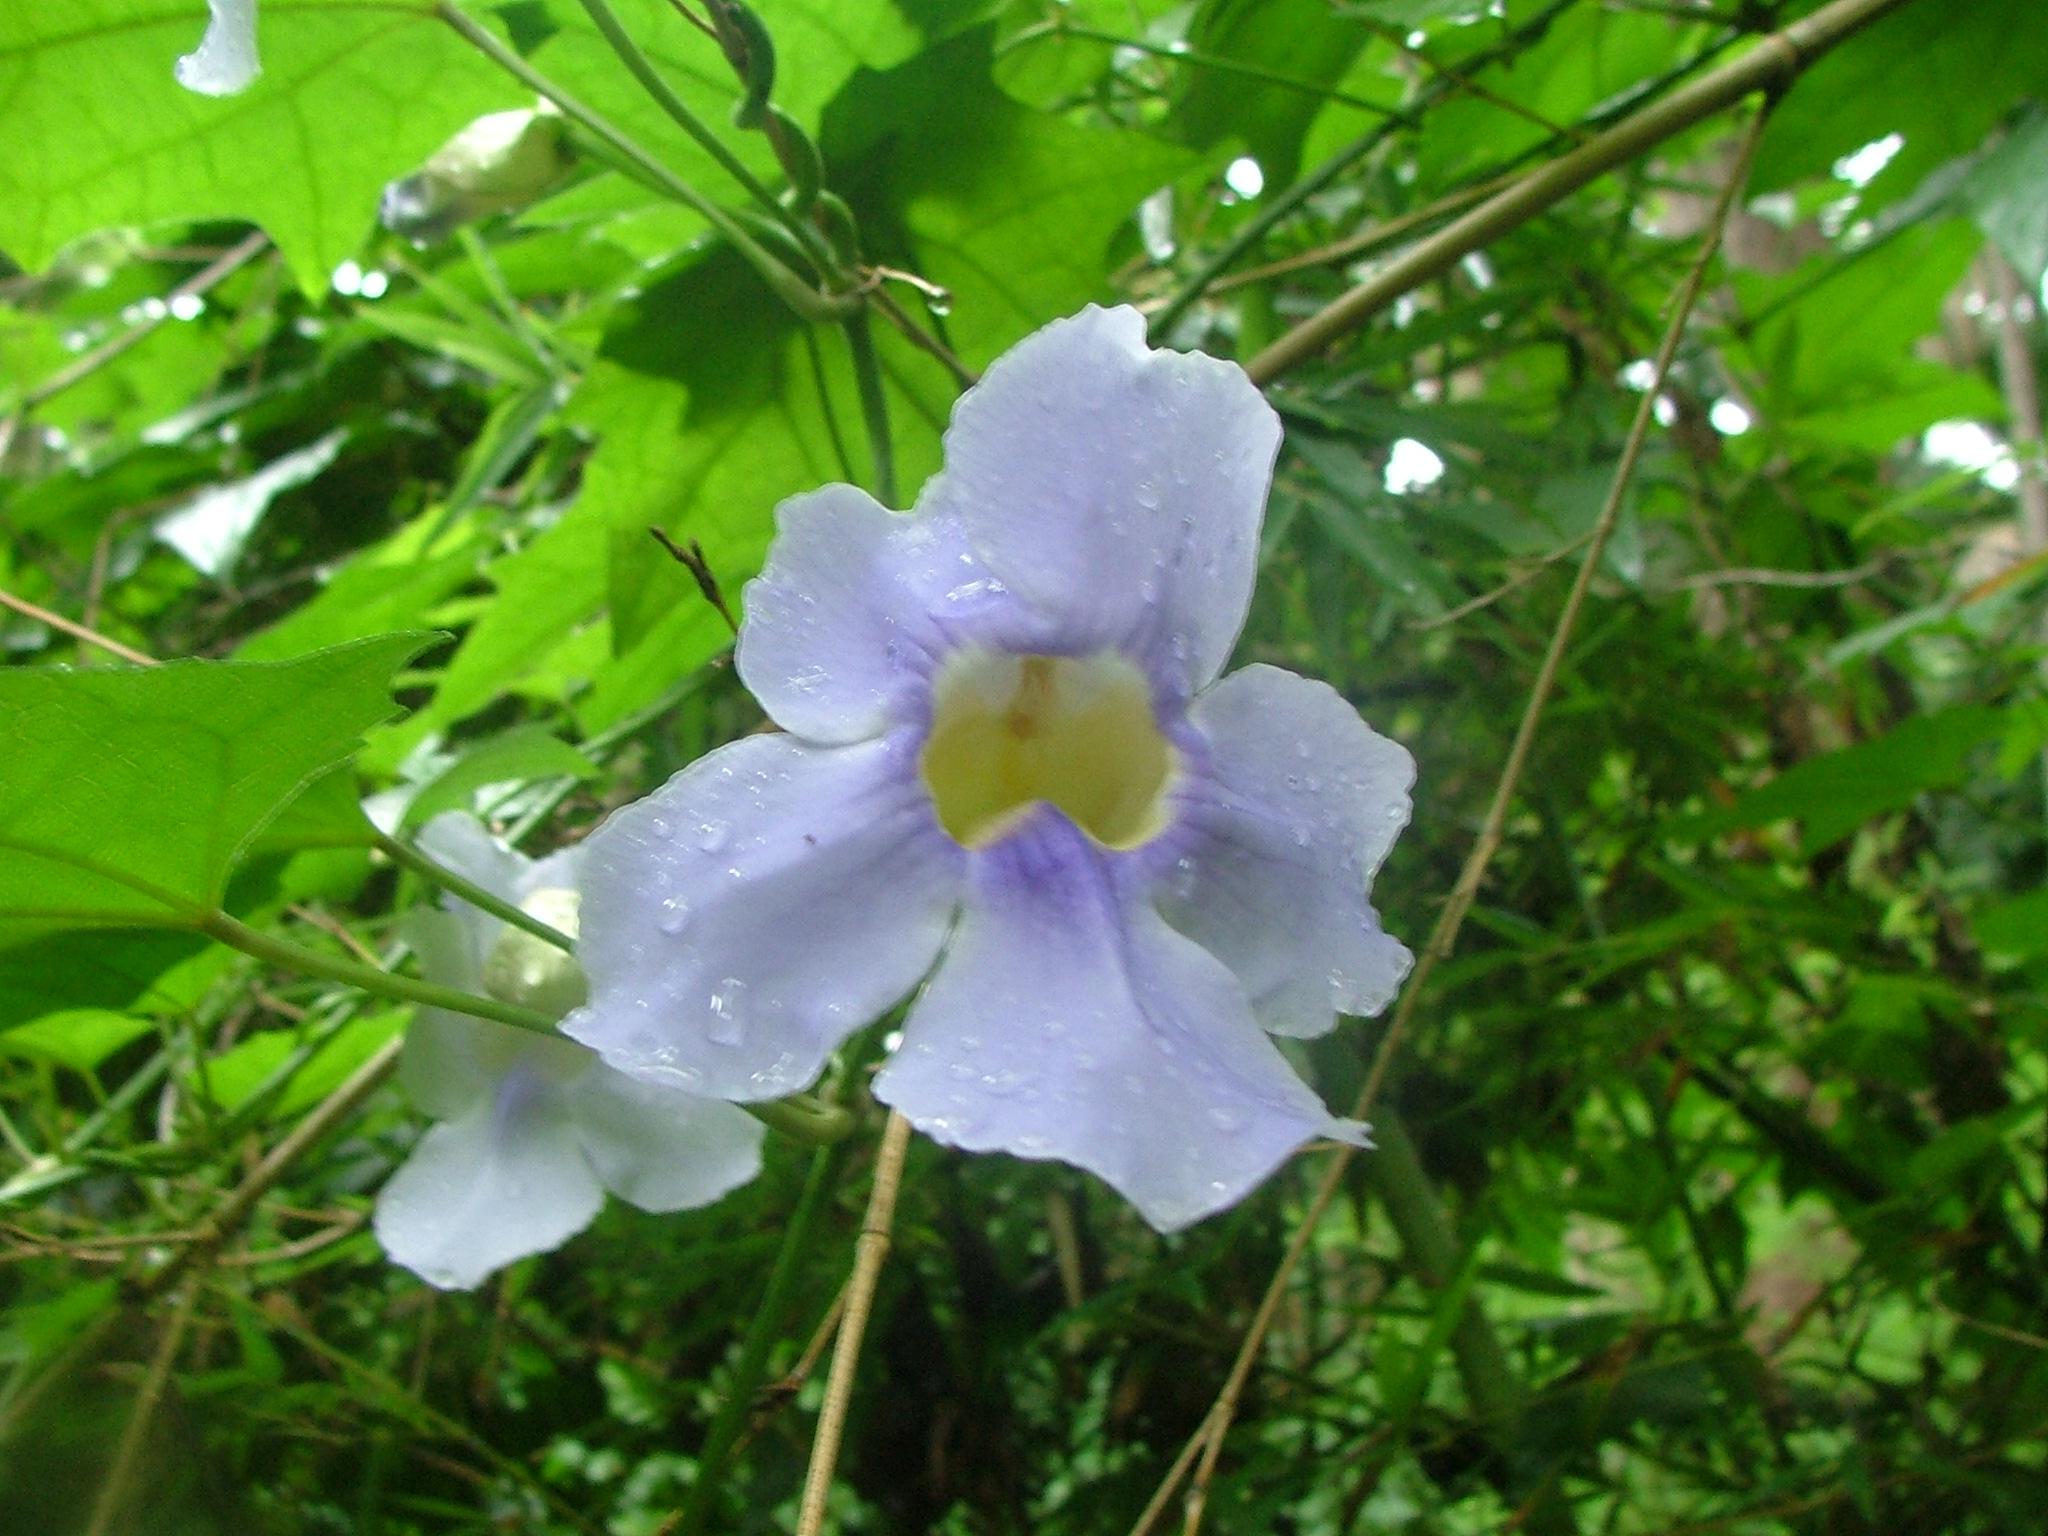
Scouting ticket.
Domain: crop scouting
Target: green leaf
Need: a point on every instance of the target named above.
(1301, 42)
(1834, 341)
(128, 795)
(1941, 76)
(1834, 794)
(114, 970)
(520, 755)
(2003, 194)
(237, 1074)
(2018, 927)
(78, 1038)
(97, 132)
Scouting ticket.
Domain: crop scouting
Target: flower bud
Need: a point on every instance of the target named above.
(502, 160)
(528, 970)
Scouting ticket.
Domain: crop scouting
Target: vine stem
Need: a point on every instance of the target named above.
(791, 289)
(428, 868)
(1773, 61)
(762, 1332)
(113, 1492)
(869, 1252)
(642, 69)
(1443, 934)
(874, 406)
(75, 630)
(404, 989)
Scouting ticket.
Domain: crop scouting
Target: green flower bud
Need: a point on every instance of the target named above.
(502, 160)
(527, 970)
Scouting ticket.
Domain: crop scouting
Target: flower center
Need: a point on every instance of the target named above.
(1012, 732)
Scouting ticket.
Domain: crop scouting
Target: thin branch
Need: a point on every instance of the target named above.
(1443, 935)
(1753, 576)
(73, 628)
(790, 288)
(2022, 399)
(916, 334)
(468, 890)
(762, 1332)
(1776, 59)
(230, 261)
(874, 406)
(869, 1252)
(113, 1493)
(1286, 203)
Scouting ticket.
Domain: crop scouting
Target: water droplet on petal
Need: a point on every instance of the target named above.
(675, 915)
(711, 836)
(728, 1005)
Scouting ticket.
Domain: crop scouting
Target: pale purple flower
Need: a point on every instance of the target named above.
(1008, 751)
(225, 61)
(533, 1129)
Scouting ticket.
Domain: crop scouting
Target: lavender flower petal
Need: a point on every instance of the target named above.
(1296, 805)
(1117, 489)
(659, 1149)
(506, 1180)
(840, 625)
(1068, 1021)
(749, 915)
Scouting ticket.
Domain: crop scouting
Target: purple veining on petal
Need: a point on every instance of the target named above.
(1068, 1021)
(1116, 488)
(766, 902)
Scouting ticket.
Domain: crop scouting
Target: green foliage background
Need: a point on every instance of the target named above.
(1711, 1192)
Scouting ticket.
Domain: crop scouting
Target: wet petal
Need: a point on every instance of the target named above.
(459, 842)
(1116, 488)
(1297, 806)
(1068, 1021)
(505, 1180)
(225, 61)
(842, 624)
(660, 1148)
(452, 1062)
(746, 917)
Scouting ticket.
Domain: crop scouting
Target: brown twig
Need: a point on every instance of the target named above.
(691, 558)
(870, 1250)
(1776, 59)
(88, 363)
(114, 1491)
(1444, 933)
(73, 628)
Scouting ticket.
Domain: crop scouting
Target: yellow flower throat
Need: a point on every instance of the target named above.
(1012, 732)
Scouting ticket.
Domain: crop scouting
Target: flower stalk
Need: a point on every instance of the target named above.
(405, 989)
(404, 853)
(787, 286)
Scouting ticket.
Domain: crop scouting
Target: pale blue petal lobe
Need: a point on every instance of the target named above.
(841, 626)
(1117, 489)
(769, 900)
(1291, 812)
(659, 1148)
(1068, 1021)
(506, 1180)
